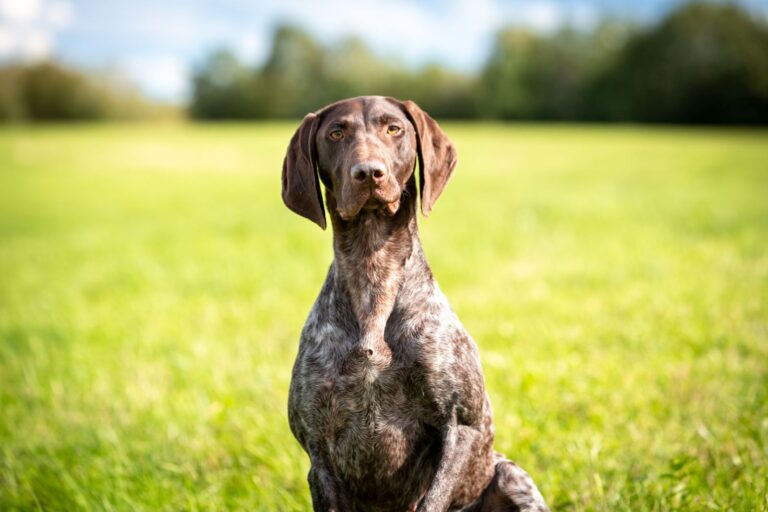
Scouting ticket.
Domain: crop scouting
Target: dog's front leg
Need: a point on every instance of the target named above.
(324, 488)
(457, 448)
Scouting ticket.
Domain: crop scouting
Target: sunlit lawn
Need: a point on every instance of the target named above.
(152, 290)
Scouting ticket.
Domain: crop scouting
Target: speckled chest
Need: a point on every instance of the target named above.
(371, 415)
(369, 409)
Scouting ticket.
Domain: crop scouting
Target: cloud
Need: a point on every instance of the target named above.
(543, 16)
(549, 16)
(7, 41)
(20, 11)
(165, 40)
(28, 44)
(250, 48)
(27, 27)
(59, 14)
(164, 77)
(161, 40)
(37, 44)
(456, 31)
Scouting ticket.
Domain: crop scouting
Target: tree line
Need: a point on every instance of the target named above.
(703, 63)
(50, 91)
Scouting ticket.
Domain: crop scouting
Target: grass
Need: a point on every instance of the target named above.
(152, 290)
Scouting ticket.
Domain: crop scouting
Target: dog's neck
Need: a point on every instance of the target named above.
(374, 254)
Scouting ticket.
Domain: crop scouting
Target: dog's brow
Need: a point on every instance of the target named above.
(342, 122)
(386, 119)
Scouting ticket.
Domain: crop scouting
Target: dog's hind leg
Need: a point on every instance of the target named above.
(511, 490)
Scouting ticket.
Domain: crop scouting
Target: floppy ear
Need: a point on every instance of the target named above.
(301, 187)
(437, 155)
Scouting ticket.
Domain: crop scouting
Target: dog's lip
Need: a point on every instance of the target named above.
(379, 195)
(375, 200)
(382, 199)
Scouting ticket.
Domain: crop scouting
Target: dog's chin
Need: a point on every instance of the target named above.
(374, 202)
(388, 207)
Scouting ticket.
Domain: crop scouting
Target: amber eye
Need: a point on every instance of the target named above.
(393, 129)
(336, 135)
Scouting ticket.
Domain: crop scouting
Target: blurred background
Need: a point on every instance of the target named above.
(592, 60)
(603, 239)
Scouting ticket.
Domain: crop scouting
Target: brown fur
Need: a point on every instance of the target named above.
(387, 395)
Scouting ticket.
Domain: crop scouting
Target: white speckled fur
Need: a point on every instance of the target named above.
(387, 395)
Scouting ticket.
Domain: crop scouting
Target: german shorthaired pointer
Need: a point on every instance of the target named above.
(387, 395)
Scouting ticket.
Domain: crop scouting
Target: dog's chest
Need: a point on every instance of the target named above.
(368, 430)
(369, 414)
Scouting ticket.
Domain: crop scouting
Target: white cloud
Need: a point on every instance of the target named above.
(7, 42)
(36, 44)
(250, 48)
(170, 37)
(20, 11)
(585, 16)
(28, 44)
(543, 16)
(548, 16)
(29, 26)
(59, 13)
(456, 31)
(157, 43)
(163, 77)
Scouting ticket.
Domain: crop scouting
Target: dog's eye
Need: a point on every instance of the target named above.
(393, 129)
(336, 135)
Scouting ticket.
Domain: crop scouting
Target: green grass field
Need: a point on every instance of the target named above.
(153, 287)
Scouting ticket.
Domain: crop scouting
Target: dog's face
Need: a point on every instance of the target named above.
(364, 151)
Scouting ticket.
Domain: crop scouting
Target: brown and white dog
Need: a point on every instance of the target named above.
(387, 396)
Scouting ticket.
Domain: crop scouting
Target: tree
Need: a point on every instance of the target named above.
(53, 92)
(224, 89)
(531, 76)
(295, 75)
(705, 63)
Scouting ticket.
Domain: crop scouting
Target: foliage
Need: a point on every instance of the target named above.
(154, 286)
(530, 76)
(53, 91)
(225, 90)
(705, 63)
(301, 75)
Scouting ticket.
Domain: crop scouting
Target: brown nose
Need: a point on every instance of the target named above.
(370, 170)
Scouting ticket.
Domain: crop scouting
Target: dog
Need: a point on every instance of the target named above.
(387, 395)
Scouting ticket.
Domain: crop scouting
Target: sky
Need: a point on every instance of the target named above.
(157, 43)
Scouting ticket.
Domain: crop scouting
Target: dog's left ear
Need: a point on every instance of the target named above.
(301, 186)
(437, 155)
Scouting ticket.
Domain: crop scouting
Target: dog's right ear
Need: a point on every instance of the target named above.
(436, 153)
(301, 186)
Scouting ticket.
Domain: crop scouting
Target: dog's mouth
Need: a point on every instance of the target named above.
(388, 207)
(373, 200)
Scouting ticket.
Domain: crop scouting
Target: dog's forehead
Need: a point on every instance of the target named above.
(363, 108)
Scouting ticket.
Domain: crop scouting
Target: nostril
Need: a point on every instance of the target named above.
(362, 172)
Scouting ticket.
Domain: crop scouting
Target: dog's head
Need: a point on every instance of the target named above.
(364, 150)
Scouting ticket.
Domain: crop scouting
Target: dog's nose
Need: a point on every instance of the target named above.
(370, 170)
